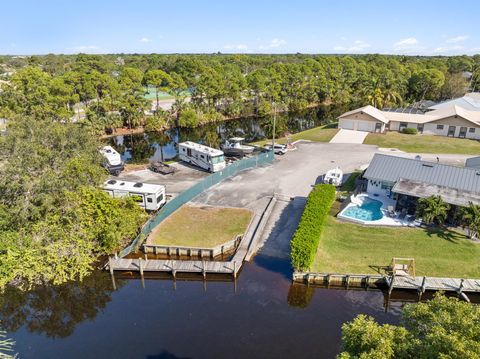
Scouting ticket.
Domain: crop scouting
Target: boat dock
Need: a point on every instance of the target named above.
(419, 284)
(245, 250)
(173, 266)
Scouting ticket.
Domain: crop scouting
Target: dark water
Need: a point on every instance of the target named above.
(141, 148)
(266, 317)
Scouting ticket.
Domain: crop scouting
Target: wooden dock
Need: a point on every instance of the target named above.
(418, 284)
(435, 284)
(173, 266)
(203, 267)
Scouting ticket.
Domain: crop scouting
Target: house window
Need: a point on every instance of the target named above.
(386, 185)
(439, 127)
(471, 130)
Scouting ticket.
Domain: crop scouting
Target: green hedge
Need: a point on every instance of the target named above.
(305, 241)
(410, 131)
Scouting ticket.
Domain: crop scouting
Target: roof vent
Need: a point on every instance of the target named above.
(477, 173)
(138, 185)
(122, 184)
(112, 182)
(427, 165)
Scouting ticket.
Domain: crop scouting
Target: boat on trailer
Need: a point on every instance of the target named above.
(234, 146)
(333, 177)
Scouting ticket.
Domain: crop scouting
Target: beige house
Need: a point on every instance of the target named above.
(452, 121)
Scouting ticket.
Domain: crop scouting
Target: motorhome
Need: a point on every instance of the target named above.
(112, 160)
(148, 196)
(208, 158)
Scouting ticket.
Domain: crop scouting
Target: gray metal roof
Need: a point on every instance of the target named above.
(392, 169)
(473, 162)
(425, 190)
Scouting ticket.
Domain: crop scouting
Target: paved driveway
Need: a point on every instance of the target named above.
(349, 136)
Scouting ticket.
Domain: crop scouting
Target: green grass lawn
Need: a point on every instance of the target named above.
(316, 134)
(349, 184)
(203, 226)
(351, 248)
(423, 143)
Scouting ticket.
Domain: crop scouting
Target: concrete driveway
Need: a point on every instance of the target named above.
(349, 136)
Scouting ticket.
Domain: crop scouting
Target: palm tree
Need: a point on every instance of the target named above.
(432, 209)
(471, 218)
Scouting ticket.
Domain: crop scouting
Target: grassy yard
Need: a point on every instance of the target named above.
(201, 226)
(351, 248)
(423, 143)
(316, 134)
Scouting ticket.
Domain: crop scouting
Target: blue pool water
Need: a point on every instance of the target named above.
(368, 211)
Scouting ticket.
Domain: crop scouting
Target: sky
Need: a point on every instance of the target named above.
(421, 27)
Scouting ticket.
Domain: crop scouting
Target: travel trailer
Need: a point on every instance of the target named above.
(208, 158)
(112, 160)
(334, 177)
(148, 196)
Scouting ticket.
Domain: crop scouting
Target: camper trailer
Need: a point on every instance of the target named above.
(112, 160)
(148, 196)
(208, 158)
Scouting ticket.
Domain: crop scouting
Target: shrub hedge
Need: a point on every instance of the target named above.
(305, 240)
(410, 131)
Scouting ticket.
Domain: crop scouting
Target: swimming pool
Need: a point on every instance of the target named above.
(368, 210)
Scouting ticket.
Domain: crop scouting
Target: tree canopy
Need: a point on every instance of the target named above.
(440, 328)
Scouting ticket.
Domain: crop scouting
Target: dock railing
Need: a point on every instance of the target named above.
(189, 194)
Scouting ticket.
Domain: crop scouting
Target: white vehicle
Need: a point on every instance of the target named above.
(112, 160)
(148, 196)
(278, 149)
(334, 177)
(235, 144)
(208, 158)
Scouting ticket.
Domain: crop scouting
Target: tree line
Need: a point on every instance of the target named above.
(209, 88)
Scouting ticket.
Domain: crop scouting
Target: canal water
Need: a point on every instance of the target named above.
(262, 315)
(141, 148)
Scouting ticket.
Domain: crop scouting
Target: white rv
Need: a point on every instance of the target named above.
(148, 196)
(202, 156)
(112, 160)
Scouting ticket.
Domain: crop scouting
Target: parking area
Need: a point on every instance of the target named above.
(184, 177)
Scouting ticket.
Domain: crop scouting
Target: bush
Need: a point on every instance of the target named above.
(410, 131)
(305, 241)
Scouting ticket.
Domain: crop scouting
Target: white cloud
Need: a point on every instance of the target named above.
(238, 47)
(275, 43)
(444, 49)
(89, 49)
(357, 46)
(456, 39)
(343, 38)
(405, 44)
(145, 39)
(474, 50)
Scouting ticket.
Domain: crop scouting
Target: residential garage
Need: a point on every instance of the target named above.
(368, 119)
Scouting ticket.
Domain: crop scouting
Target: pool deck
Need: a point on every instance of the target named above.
(384, 221)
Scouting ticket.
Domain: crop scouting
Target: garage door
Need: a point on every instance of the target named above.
(346, 124)
(366, 126)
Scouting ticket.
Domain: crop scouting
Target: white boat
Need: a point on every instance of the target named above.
(112, 160)
(334, 177)
(235, 144)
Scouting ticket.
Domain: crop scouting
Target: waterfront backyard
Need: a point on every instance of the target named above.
(351, 248)
(423, 143)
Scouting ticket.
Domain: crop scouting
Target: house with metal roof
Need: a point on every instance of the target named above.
(451, 120)
(405, 180)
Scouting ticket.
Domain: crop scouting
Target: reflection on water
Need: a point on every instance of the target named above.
(55, 311)
(141, 148)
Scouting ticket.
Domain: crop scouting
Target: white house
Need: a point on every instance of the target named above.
(452, 120)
